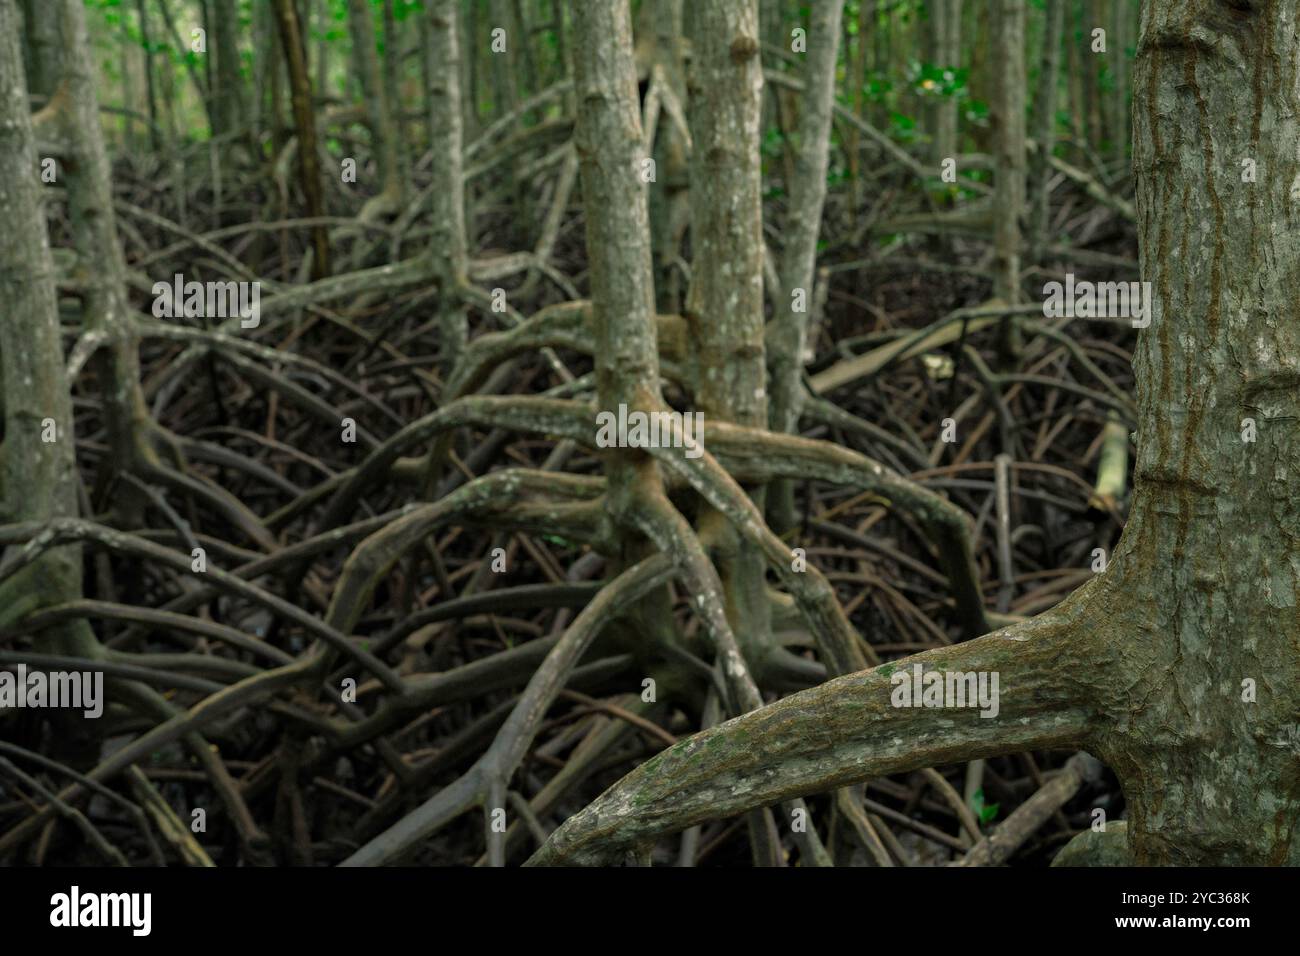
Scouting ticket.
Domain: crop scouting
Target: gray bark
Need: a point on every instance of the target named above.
(610, 149)
(101, 268)
(447, 197)
(1210, 552)
(787, 339)
(38, 478)
(724, 305)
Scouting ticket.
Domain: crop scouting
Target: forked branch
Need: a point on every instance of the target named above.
(848, 730)
(485, 783)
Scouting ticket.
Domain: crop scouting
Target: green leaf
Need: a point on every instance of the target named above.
(985, 812)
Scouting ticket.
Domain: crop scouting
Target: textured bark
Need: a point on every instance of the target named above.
(724, 306)
(610, 146)
(725, 303)
(1108, 847)
(101, 268)
(789, 334)
(728, 327)
(448, 245)
(1211, 551)
(38, 479)
(610, 149)
(841, 732)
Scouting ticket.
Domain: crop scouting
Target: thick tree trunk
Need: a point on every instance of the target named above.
(724, 306)
(725, 303)
(610, 148)
(1211, 552)
(38, 478)
(608, 139)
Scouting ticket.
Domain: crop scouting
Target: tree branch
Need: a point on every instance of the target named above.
(847, 730)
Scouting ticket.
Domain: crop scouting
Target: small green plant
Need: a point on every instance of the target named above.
(987, 812)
